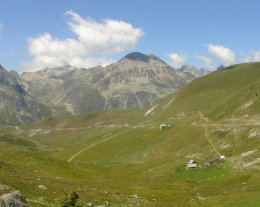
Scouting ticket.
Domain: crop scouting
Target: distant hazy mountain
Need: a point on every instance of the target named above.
(190, 69)
(133, 82)
(220, 67)
(16, 105)
(47, 85)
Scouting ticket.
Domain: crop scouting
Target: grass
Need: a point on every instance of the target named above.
(201, 174)
(130, 155)
(122, 168)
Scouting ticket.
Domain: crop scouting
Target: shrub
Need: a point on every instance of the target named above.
(71, 200)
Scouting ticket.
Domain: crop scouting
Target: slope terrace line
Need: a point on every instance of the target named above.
(209, 140)
(204, 118)
(92, 145)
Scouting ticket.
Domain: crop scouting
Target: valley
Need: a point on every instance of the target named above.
(123, 158)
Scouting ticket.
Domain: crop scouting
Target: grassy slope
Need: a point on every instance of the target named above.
(218, 94)
(132, 155)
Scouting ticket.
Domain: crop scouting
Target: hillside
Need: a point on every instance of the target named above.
(16, 105)
(124, 158)
(135, 81)
(229, 93)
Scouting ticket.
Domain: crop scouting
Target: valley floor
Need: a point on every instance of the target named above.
(134, 165)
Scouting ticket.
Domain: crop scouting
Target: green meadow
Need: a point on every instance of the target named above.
(122, 157)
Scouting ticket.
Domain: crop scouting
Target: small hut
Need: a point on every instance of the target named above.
(192, 164)
(222, 157)
(164, 126)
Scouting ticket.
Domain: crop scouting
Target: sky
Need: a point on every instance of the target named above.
(86, 33)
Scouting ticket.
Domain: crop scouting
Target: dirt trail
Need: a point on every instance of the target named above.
(209, 141)
(32, 132)
(206, 120)
(92, 145)
(206, 123)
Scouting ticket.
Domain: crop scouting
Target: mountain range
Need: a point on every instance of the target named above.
(135, 81)
(123, 158)
(190, 69)
(16, 105)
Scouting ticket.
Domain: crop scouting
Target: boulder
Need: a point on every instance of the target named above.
(42, 187)
(134, 196)
(13, 199)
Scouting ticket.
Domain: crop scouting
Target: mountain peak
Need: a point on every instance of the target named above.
(193, 70)
(2, 68)
(137, 56)
(60, 68)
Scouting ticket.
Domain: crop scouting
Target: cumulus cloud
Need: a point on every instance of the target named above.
(177, 60)
(225, 55)
(253, 56)
(107, 37)
(95, 40)
(207, 62)
(257, 56)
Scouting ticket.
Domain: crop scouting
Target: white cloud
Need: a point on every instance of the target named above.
(1, 26)
(177, 60)
(257, 56)
(207, 62)
(107, 37)
(94, 40)
(247, 59)
(253, 56)
(223, 54)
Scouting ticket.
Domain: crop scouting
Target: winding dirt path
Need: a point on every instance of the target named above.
(92, 145)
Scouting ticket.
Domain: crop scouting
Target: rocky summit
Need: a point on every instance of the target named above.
(190, 69)
(133, 82)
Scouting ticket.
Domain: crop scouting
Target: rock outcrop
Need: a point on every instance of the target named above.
(11, 198)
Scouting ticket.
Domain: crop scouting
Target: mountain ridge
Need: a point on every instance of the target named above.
(193, 70)
(16, 105)
(126, 158)
(136, 80)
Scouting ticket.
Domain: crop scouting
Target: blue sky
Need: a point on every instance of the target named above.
(205, 33)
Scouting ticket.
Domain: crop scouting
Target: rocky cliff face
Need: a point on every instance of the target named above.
(133, 82)
(16, 105)
(137, 80)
